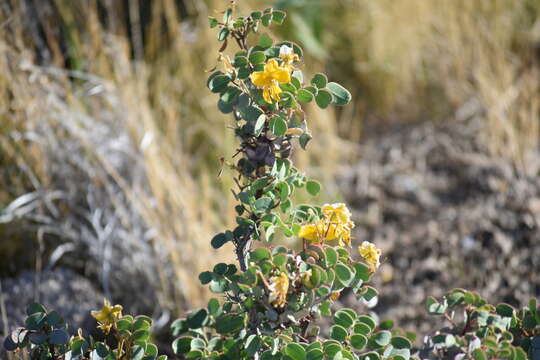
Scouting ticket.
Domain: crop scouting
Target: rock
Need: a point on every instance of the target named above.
(70, 294)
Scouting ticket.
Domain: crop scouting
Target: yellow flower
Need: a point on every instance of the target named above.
(269, 80)
(107, 316)
(335, 224)
(279, 285)
(318, 232)
(288, 56)
(371, 254)
(335, 295)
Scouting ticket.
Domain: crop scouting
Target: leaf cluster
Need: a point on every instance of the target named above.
(45, 336)
(479, 330)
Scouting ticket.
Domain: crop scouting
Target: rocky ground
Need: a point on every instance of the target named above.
(446, 215)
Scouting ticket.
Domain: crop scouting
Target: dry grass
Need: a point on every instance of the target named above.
(115, 148)
(444, 60)
(110, 141)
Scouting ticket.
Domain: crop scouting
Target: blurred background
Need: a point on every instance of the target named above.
(110, 146)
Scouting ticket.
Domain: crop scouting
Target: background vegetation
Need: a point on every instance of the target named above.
(110, 146)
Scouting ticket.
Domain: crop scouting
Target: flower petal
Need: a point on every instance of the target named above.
(259, 78)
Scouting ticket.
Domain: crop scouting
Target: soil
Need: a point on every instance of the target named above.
(446, 214)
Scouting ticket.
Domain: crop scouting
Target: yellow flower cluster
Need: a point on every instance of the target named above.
(371, 254)
(279, 286)
(107, 316)
(270, 78)
(336, 224)
(275, 74)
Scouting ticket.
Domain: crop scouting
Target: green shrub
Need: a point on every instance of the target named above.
(45, 336)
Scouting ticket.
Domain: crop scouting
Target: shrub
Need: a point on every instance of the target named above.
(45, 336)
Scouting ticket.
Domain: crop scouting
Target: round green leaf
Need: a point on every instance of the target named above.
(323, 98)
(197, 318)
(182, 345)
(319, 80)
(222, 34)
(382, 338)
(400, 342)
(338, 332)
(229, 323)
(265, 41)
(58, 337)
(218, 241)
(205, 277)
(257, 57)
(505, 310)
(304, 96)
(343, 318)
(313, 187)
(295, 351)
(278, 126)
(341, 95)
(358, 341)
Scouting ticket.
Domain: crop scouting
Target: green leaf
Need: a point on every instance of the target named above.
(218, 83)
(182, 345)
(240, 61)
(304, 96)
(58, 337)
(278, 126)
(319, 80)
(34, 308)
(331, 256)
(342, 96)
(229, 323)
(358, 341)
(362, 329)
(222, 34)
(304, 140)
(505, 310)
(400, 342)
(265, 41)
(230, 95)
(344, 274)
(220, 268)
(35, 321)
(323, 98)
(259, 125)
(278, 16)
(213, 22)
(382, 338)
(343, 318)
(366, 319)
(434, 307)
(266, 19)
(313, 187)
(243, 73)
(479, 354)
(260, 254)
(263, 204)
(196, 319)
(227, 16)
(315, 354)
(295, 351)
(37, 338)
(257, 57)
(338, 332)
(253, 343)
(54, 319)
(142, 335)
(218, 241)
